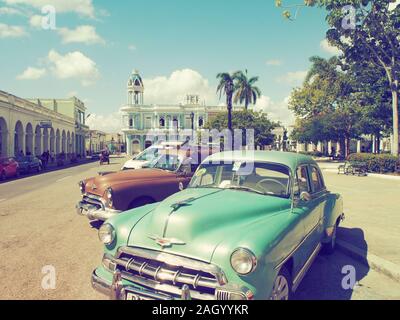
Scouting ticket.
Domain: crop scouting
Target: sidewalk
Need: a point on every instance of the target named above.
(371, 230)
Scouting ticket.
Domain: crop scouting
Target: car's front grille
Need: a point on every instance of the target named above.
(93, 200)
(171, 271)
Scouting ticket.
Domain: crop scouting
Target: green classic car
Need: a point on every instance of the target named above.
(248, 227)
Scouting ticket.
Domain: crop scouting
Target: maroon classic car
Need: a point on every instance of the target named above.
(107, 195)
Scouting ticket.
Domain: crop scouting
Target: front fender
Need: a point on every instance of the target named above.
(271, 240)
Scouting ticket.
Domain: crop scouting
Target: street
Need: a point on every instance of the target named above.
(39, 227)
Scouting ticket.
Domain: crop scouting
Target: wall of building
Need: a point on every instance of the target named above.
(20, 130)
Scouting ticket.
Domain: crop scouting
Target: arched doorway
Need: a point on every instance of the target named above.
(135, 147)
(58, 142)
(28, 139)
(18, 138)
(148, 144)
(3, 138)
(38, 142)
(73, 142)
(45, 139)
(63, 141)
(68, 142)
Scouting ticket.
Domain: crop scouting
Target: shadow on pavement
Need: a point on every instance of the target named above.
(330, 276)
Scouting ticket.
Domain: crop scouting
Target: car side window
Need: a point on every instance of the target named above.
(316, 180)
(301, 183)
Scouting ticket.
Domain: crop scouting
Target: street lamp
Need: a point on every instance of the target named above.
(192, 118)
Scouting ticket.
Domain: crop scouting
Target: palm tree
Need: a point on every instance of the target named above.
(246, 92)
(226, 87)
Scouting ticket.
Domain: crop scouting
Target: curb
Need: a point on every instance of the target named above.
(383, 266)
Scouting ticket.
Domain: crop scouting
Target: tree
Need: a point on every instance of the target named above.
(367, 32)
(226, 87)
(246, 92)
(243, 120)
(326, 105)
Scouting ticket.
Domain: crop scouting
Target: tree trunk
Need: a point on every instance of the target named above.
(395, 106)
(229, 103)
(347, 143)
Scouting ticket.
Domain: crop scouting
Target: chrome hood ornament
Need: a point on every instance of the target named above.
(166, 242)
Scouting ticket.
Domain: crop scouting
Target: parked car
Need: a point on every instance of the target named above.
(109, 194)
(8, 168)
(249, 226)
(145, 157)
(29, 164)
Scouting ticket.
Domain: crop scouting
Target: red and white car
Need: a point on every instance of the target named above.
(8, 168)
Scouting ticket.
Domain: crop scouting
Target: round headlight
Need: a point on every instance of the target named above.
(109, 194)
(107, 234)
(109, 197)
(82, 187)
(243, 261)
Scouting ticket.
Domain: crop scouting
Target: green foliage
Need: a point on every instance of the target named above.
(379, 163)
(244, 120)
(246, 91)
(368, 35)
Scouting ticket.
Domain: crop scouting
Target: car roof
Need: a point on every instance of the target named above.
(289, 159)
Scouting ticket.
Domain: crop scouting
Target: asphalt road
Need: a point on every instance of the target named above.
(40, 230)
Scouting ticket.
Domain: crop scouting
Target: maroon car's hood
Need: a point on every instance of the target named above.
(98, 185)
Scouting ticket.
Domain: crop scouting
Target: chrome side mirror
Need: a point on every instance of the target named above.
(305, 196)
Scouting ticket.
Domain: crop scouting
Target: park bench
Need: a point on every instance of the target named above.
(354, 168)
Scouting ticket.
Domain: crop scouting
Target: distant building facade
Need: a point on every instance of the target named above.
(72, 108)
(95, 141)
(143, 124)
(30, 128)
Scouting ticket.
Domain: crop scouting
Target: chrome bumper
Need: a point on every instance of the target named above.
(116, 291)
(94, 213)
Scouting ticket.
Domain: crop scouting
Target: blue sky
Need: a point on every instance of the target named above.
(177, 45)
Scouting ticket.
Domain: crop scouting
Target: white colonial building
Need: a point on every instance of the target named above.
(144, 124)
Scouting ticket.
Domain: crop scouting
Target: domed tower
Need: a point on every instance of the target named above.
(135, 89)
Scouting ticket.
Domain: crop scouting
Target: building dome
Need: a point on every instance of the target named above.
(135, 89)
(135, 80)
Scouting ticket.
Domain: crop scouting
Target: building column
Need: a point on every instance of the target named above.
(128, 144)
(358, 146)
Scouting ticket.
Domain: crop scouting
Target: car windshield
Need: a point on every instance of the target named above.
(258, 177)
(168, 162)
(148, 155)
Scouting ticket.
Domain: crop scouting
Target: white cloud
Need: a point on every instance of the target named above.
(394, 5)
(9, 11)
(81, 34)
(324, 44)
(7, 31)
(73, 65)
(132, 47)
(276, 111)
(293, 78)
(36, 21)
(173, 89)
(274, 62)
(32, 74)
(82, 7)
(108, 123)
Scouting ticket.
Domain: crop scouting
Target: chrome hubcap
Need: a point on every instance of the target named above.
(281, 289)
